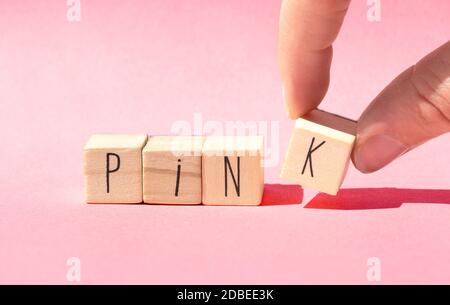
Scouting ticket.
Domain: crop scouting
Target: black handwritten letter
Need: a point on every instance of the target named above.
(109, 170)
(309, 156)
(236, 182)
(177, 186)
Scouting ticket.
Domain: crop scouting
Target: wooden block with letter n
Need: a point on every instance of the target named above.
(113, 168)
(232, 170)
(319, 151)
(173, 170)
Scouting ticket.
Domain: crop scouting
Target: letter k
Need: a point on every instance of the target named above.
(309, 156)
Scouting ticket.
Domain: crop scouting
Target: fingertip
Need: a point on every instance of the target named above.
(358, 164)
(376, 152)
(297, 105)
(296, 110)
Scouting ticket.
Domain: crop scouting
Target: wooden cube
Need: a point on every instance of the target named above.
(173, 170)
(113, 168)
(319, 151)
(232, 170)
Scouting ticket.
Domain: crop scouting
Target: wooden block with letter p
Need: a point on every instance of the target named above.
(319, 151)
(232, 170)
(113, 168)
(173, 170)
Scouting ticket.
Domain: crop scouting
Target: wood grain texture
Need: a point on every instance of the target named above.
(232, 170)
(319, 151)
(113, 168)
(172, 170)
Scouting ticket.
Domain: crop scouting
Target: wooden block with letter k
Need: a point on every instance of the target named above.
(319, 151)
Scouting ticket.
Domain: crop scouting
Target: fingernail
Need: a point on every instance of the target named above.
(377, 152)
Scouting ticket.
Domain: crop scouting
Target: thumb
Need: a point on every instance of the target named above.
(411, 110)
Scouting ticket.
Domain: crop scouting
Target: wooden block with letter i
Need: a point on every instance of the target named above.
(113, 168)
(173, 170)
(319, 151)
(232, 170)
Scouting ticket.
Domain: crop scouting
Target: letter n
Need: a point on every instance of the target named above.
(236, 178)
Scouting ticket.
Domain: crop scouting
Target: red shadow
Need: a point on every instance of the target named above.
(282, 194)
(377, 198)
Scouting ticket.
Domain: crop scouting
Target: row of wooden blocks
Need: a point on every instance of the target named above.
(174, 169)
(216, 170)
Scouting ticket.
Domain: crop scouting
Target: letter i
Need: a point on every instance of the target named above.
(177, 186)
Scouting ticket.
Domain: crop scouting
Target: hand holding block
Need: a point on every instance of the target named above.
(319, 151)
(113, 168)
(173, 169)
(232, 170)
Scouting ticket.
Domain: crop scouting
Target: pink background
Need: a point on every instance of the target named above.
(139, 66)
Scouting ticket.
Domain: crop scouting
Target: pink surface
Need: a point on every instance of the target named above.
(139, 66)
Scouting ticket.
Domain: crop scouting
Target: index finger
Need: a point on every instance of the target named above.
(307, 31)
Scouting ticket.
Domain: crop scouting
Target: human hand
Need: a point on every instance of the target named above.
(412, 109)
